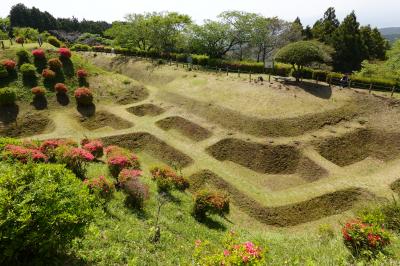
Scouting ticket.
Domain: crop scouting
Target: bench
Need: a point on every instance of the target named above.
(282, 79)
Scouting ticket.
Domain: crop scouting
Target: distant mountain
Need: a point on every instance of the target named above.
(392, 33)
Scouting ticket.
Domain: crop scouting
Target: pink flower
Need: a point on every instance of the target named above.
(226, 253)
(64, 52)
(197, 242)
(245, 259)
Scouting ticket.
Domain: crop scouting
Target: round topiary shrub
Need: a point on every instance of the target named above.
(55, 64)
(137, 193)
(168, 179)
(23, 56)
(210, 202)
(74, 158)
(100, 186)
(126, 174)
(38, 91)
(9, 64)
(3, 72)
(38, 54)
(7, 96)
(28, 70)
(81, 73)
(83, 96)
(54, 41)
(60, 88)
(20, 40)
(43, 208)
(119, 158)
(95, 147)
(64, 52)
(48, 74)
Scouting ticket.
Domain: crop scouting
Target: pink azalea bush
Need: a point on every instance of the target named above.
(38, 53)
(128, 174)
(61, 88)
(48, 147)
(365, 240)
(119, 159)
(74, 158)
(83, 96)
(233, 253)
(9, 64)
(22, 154)
(100, 186)
(95, 147)
(64, 52)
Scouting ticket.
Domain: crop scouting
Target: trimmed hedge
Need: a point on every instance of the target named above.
(7, 96)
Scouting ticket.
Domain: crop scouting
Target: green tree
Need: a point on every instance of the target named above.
(302, 53)
(348, 45)
(324, 28)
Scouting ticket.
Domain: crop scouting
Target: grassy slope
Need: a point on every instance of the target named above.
(120, 236)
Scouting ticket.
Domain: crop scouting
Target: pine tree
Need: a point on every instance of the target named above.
(324, 28)
(348, 44)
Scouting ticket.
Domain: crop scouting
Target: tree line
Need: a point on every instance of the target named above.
(22, 16)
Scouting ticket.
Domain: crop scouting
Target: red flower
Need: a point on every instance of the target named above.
(95, 147)
(83, 96)
(81, 73)
(245, 259)
(48, 74)
(38, 91)
(9, 64)
(64, 52)
(197, 243)
(61, 88)
(38, 53)
(23, 154)
(80, 154)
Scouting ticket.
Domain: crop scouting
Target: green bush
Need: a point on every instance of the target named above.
(387, 213)
(210, 202)
(320, 75)
(3, 72)
(54, 41)
(7, 96)
(167, 179)
(43, 207)
(4, 141)
(28, 70)
(81, 47)
(23, 56)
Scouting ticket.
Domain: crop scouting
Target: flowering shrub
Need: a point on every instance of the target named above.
(136, 191)
(74, 158)
(28, 70)
(234, 253)
(83, 96)
(168, 179)
(48, 147)
(38, 91)
(7, 96)
(48, 74)
(365, 240)
(61, 88)
(100, 186)
(127, 174)
(38, 53)
(9, 64)
(95, 147)
(22, 154)
(64, 52)
(81, 73)
(119, 159)
(54, 64)
(207, 202)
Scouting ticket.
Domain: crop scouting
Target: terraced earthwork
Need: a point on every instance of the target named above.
(146, 110)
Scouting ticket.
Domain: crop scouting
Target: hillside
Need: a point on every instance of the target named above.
(296, 160)
(391, 33)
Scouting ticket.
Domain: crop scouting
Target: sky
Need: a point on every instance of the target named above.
(377, 13)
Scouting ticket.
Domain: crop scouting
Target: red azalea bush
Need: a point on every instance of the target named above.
(38, 91)
(74, 158)
(22, 154)
(95, 147)
(167, 179)
(38, 53)
(60, 88)
(207, 202)
(9, 64)
(54, 64)
(119, 159)
(100, 186)
(365, 240)
(81, 73)
(83, 96)
(64, 52)
(48, 74)
(48, 147)
(233, 253)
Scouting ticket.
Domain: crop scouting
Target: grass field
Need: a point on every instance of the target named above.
(291, 157)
